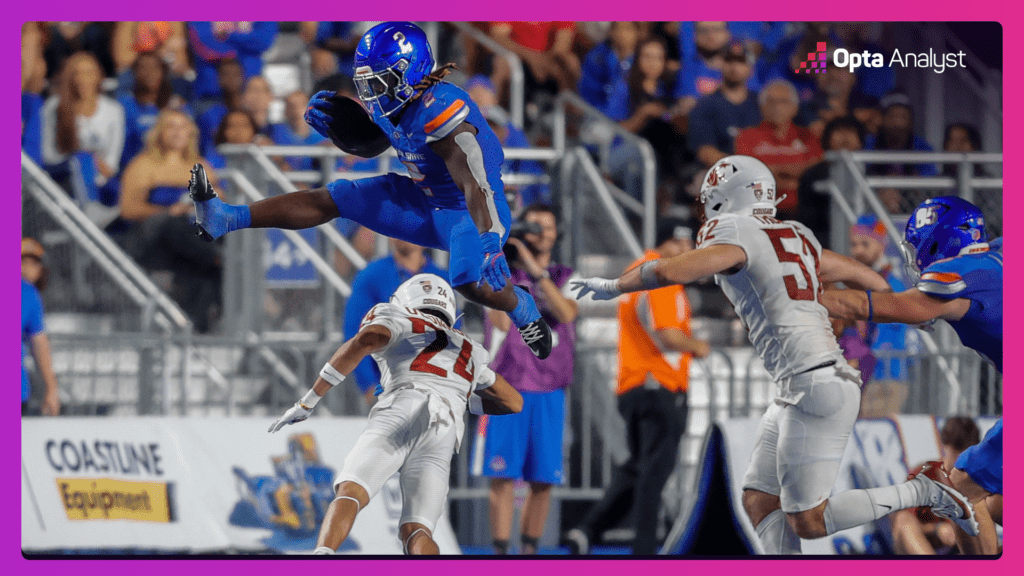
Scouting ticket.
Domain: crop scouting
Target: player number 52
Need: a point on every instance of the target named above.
(792, 288)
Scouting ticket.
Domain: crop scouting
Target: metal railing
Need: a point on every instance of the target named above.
(570, 102)
(578, 160)
(857, 192)
(121, 269)
(517, 88)
(326, 270)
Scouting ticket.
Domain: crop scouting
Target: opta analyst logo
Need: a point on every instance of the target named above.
(817, 60)
(843, 58)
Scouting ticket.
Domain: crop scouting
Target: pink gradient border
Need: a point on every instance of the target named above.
(915, 10)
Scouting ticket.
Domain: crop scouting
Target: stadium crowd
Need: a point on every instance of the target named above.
(113, 110)
(91, 92)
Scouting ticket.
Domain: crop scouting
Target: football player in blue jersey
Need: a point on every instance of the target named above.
(958, 278)
(453, 198)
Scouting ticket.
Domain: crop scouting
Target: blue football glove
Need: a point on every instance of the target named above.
(214, 218)
(317, 112)
(494, 269)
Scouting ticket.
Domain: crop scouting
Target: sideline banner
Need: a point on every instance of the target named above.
(183, 484)
(881, 452)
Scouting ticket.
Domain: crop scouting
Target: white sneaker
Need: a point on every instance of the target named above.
(947, 502)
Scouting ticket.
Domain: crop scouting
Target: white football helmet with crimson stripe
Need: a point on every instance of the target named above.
(738, 185)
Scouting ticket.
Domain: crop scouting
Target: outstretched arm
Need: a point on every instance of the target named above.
(909, 307)
(838, 268)
(682, 269)
(367, 341)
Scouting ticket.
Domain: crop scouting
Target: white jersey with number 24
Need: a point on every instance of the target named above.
(425, 353)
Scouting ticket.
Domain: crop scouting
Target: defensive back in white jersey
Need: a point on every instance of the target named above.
(776, 293)
(425, 353)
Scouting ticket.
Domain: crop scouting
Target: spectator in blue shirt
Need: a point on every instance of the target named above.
(32, 126)
(897, 134)
(608, 63)
(257, 97)
(719, 117)
(701, 73)
(151, 93)
(211, 42)
(375, 284)
(33, 78)
(759, 37)
(640, 103)
(332, 47)
(33, 330)
(295, 132)
(231, 80)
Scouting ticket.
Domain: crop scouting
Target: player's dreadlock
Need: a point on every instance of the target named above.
(435, 76)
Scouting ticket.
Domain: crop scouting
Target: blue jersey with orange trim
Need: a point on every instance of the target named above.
(429, 118)
(979, 278)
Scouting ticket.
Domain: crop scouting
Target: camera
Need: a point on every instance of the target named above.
(519, 230)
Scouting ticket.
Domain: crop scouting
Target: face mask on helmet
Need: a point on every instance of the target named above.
(941, 228)
(386, 90)
(390, 60)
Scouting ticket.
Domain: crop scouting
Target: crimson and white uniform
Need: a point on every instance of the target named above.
(428, 370)
(803, 434)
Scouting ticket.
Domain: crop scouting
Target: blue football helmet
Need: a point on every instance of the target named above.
(390, 60)
(940, 228)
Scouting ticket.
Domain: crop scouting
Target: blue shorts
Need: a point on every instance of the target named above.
(984, 462)
(527, 445)
(393, 205)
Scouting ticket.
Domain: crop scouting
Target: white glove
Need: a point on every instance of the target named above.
(296, 413)
(602, 288)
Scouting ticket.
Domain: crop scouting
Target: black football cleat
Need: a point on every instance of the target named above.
(537, 335)
(199, 187)
(200, 190)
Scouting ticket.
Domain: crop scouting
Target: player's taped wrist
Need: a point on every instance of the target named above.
(648, 278)
(871, 307)
(331, 375)
(476, 405)
(310, 400)
(490, 242)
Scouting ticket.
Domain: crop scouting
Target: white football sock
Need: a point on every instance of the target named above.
(323, 550)
(856, 507)
(777, 536)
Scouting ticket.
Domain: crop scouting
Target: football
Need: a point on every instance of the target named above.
(352, 129)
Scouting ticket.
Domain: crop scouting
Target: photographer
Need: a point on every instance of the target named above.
(528, 445)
